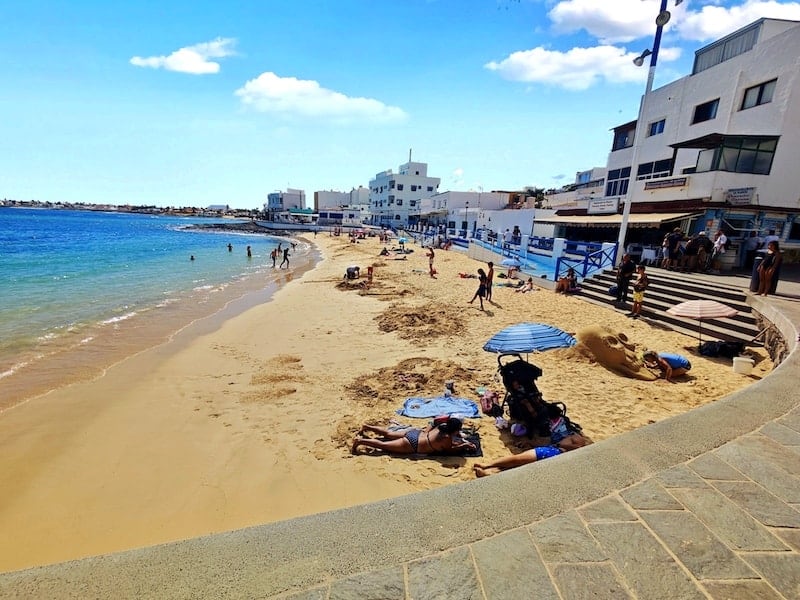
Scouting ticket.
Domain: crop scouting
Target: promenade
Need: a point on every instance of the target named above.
(702, 505)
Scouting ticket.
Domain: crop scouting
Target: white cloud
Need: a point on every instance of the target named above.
(609, 22)
(291, 97)
(713, 22)
(575, 69)
(192, 59)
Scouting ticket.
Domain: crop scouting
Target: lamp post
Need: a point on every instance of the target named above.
(661, 20)
(466, 219)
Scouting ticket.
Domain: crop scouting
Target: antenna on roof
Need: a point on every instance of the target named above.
(409, 155)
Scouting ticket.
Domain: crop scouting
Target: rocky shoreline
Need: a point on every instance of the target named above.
(241, 226)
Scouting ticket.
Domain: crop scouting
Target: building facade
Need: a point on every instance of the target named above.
(395, 199)
(714, 149)
(280, 202)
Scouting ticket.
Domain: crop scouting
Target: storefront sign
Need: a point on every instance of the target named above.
(603, 206)
(740, 196)
(658, 184)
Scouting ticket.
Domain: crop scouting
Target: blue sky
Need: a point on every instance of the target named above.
(196, 103)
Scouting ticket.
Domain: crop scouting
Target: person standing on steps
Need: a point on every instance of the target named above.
(625, 273)
(639, 286)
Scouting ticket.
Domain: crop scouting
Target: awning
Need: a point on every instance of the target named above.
(635, 219)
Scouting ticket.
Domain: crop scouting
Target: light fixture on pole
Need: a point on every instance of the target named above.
(661, 20)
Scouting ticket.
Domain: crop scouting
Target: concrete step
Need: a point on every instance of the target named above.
(669, 288)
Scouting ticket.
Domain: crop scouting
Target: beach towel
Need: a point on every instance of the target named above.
(425, 408)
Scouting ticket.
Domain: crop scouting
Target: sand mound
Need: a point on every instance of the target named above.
(420, 323)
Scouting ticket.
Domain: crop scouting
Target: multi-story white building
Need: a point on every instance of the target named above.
(717, 148)
(281, 202)
(357, 197)
(395, 198)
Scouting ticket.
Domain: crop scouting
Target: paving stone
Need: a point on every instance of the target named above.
(740, 590)
(564, 538)
(762, 471)
(708, 466)
(647, 568)
(509, 566)
(701, 551)
(792, 420)
(782, 571)
(781, 434)
(680, 476)
(609, 508)
(446, 575)
(791, 537)
(766, 507)
(383, 584)
(586, 582)
(650, 495)
(772, 451)
(315, 594)
(727, 521)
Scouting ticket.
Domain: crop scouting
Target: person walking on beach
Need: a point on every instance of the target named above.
(489, 280)
(274, 256)
(285, 257)
(481, 292)
(430, 262)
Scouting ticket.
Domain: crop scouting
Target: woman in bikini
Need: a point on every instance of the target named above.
(443, 437)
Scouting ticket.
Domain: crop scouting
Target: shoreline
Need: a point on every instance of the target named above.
(250, 422)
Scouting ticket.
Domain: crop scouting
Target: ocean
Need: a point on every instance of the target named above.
(81, 290)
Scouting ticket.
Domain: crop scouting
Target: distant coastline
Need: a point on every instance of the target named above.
(241, 227)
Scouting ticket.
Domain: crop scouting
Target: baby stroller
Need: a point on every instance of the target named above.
(523, 398)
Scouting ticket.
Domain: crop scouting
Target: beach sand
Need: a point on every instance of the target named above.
(250, 420)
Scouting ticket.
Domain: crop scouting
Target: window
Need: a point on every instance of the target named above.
(659, 168)
(413, 188)
(412, 203)
(656, 127)
(623, 137)
(617, 183)
(430, 188)
(705, 112)
(391, 184)
(758, 94)
(739, 155)
(399, 187)
(399, 202)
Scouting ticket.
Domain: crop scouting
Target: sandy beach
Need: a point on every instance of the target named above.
(249, 420)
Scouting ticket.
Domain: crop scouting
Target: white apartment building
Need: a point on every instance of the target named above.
(281, 202)
(331, 199)
(717, 148)
(395, 199)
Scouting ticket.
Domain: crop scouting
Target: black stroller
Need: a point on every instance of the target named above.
(523, 398)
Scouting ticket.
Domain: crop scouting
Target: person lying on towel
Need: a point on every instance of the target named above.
(442, 436)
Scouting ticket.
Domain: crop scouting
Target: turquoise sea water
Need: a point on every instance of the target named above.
(79, 288)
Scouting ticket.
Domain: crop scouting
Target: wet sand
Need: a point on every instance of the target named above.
(249, 419)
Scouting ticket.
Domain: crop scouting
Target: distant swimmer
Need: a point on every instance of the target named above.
(249, 253)
(230, 247)
(191, 257)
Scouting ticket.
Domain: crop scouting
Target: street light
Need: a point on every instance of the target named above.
(661, 20)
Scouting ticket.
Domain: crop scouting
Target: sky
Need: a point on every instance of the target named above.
(194, 103)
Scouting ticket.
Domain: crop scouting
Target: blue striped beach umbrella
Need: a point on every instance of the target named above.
(528, 337)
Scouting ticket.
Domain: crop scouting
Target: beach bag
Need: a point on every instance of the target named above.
(612, 291)
(489, 405)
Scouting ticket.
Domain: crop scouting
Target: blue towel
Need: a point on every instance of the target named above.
(423, 408)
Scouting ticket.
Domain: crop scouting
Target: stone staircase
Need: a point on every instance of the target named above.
(668, 288)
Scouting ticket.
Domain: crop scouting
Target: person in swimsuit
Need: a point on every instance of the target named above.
(516, 460)
(481, 292)
(669, 365)
(442, 438)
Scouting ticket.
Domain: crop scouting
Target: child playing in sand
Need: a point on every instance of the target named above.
(442, 437)
(670, 365)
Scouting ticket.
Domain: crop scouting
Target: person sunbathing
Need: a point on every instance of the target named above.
(441, 437)
(567, 283)
(525, 287)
